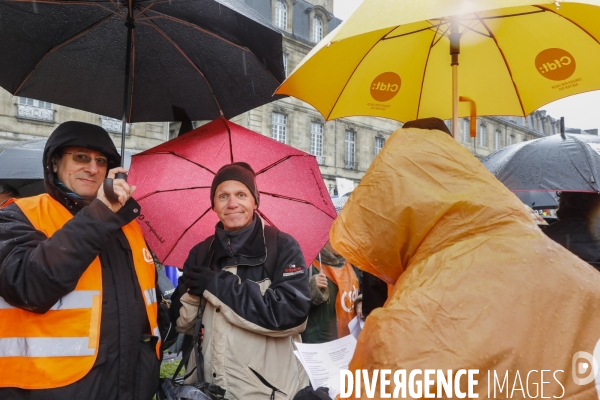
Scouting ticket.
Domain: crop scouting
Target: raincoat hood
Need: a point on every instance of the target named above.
(77, 134)
(424, 194)
(477, 284)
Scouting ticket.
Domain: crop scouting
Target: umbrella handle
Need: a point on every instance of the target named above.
(109, 192)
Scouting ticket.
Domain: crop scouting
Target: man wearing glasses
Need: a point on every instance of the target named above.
(78, 311)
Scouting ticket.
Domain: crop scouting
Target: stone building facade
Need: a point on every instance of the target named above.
(344, 148)
(494, 133)
(22, 118)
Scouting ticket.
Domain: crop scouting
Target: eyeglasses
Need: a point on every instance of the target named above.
(83, 158)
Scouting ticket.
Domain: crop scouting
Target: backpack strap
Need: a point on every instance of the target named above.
(204, 253)
(191, 343)
(271, 243)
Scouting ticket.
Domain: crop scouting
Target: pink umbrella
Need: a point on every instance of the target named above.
(173, 188)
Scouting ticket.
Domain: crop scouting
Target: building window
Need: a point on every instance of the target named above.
(379, 142)
(279, 127)
(35, 103)
(316, 142)
(448, 123)
(350, 150)
(483, 142)
(497, 140)
(466, 133)
(113, 125)
(317, 29)
(285, 64)
(511, 140)
(36, 110)
(281, 13)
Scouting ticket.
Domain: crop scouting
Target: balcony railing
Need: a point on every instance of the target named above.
(350, 165)
(113, 125)
(34, 113)
(320, 160)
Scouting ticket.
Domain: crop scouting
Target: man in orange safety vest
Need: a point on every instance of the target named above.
(78, 300)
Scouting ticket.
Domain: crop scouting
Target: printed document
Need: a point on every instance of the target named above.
(323, 362)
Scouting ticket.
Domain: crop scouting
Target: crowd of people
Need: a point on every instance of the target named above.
(81, 307)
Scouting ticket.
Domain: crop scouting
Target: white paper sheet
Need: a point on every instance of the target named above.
(356, 326)
(323, 362)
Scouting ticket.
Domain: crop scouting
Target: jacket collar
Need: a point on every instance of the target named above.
(252, 251)
(329, 258)
(70, 203)
(234, 241)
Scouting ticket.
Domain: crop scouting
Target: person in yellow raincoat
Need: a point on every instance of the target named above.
(477, 285)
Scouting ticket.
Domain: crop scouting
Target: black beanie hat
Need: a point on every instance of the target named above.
(238, 171)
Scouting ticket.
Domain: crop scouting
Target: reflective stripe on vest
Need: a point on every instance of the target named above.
(74, 300)
(59, 347)
(150, 296)
(45, 347)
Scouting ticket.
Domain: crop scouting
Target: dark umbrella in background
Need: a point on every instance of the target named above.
(21, 165)
(535, 170)
(176, 209)
(148, 60)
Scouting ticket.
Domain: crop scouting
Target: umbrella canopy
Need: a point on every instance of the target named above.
(548, 165)
(392, 59)
(200, 58)
(173, 188)
(21, 165)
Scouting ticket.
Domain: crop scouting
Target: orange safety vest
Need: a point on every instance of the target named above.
(347, 283)
(59, 347)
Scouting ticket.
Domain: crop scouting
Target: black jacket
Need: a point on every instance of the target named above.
(579, 237)
(283, 306)
(256, 306)
(36, 271)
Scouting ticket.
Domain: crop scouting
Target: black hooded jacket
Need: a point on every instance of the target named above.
(36, 272)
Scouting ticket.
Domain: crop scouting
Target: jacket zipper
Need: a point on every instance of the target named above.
(249, 265)
(229, 246)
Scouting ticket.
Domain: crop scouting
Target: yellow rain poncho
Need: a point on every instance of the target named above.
(477, 285)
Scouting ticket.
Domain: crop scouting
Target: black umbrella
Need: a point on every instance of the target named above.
(21, 166)
(200, 58)
(536, 169)
(141, 60)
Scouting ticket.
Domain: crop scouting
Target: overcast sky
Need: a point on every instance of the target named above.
(580, 111)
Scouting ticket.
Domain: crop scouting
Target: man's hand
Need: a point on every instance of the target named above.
(198, 280)
(321, 280)
(122, 190)
(359, 313)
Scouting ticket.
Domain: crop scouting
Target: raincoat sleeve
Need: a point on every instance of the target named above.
(278, 308)
(36, 271)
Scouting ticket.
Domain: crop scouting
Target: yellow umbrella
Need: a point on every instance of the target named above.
(392, 58)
